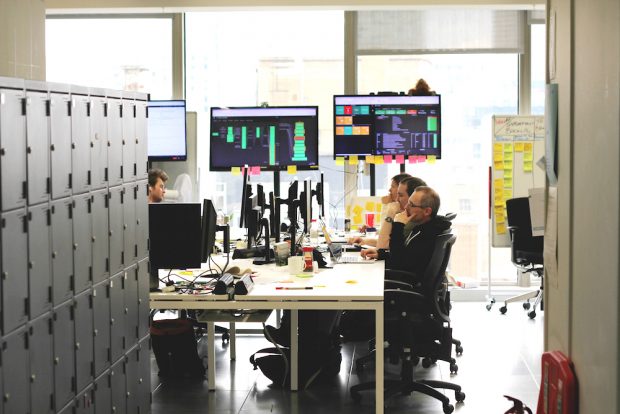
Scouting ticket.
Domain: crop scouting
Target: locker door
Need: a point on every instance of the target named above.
(101, 313)
(143, 298)
(62, 250)
(133, 375)
(39, 259)
(115, 212)
(115, 142)
(117, 319)
(37, 131)
(80, 143)
(142, 220)
(60, 139)
(119, 387)
(12, 148)
(99, 142)
(82, 242)
(129, 140)
(141, 140)
(100, 239)
(103, 393)
(131, 306)
(41, 365)
(14, 269)
(130, 248)
(15, 365)
(68, 409)
(144, 378)
(64, 354)
(85, 402)
(84, 340)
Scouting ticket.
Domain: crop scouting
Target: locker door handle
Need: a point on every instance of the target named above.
(5, 275)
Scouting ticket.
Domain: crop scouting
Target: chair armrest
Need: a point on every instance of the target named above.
(403, 276)
(397, 285)
(404, 301)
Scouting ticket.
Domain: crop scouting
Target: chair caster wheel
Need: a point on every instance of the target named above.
(448, 408)
(426, 362)
(225, 338)
(415, 361)
(532, 314)
(526, 305)
(459, 350)
(454, 368)
(460, 396)
(503, 309)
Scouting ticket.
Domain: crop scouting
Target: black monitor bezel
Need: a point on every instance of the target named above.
(209, 229)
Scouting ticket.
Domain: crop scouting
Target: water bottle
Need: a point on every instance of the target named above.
(314, 233)
(221, 218)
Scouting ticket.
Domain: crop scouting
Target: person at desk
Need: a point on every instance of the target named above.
(390, 204)
(413, 252)
(157, 185)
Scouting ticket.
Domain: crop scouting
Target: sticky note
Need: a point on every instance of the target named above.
(431, 159)
(235, 171)
(387, 159)
(499, 209)
(507, 174)
(370, 159)
(412, 159)
(518, 146)
(339, 160)
(357, 210)
(291, 169)
(527, 146)
(508, 182)
(255, 170)
(527, 166)
(498, 183)
(508, 147)
(370, 206)
(508, 156)
(378, 160)
(498, 203)
(379, 208)
(507, 164)
(499, 218)
(498, 156)
(500, 228)
(528, 156)
(378, 218)
(498, 165)
(353, 160)
(400, 159)
(497, 147)
(357, 219)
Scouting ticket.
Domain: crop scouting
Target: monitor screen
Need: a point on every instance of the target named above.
(271, 138)
(166, 131)
(387, 125)
(174, 235)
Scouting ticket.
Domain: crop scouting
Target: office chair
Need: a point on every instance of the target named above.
(417, 326)
(526, 251)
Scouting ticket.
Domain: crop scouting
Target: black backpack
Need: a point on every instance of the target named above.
(175, 349)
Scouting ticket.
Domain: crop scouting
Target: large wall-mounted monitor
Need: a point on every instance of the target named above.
(271, 138)
(167, 131)
(387, 125)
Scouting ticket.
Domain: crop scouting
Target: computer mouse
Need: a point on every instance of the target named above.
(233, 270)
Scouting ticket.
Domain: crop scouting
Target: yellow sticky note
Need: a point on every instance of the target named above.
(291, 169)
(498, 156)
(498, 183)
(497, 147)
(507, 174)
(498, 203)
(527, 146)
(508, 147)
(370, 159)
(431, 159)
(339, 160)
(378, 160)
(508, 156)
(353, 160)
(357, 210)
(527, 166)
(370, 206)
(499, 191)
(518, 147)
(528, 156)
(500, 228)
(235, 170)
(357, 219)
(507, 165)
(508, 182)
(379, 207)
(499, 209)
(498, 165)
(499, 218)
(378, 218)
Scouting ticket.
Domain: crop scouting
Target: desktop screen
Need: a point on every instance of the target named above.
(166, 131)
(387, 125)
(271, 138)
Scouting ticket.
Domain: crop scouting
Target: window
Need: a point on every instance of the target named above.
(538, 68)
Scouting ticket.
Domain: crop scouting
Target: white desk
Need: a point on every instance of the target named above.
(346, 286)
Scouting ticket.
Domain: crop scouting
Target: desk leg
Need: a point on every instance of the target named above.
(233, 341)
(379, 359)
(211, 355)
(294, 350)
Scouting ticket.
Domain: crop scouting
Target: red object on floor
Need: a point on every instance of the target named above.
(558, 387)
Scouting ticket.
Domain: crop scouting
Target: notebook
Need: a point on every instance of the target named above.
(336, 253)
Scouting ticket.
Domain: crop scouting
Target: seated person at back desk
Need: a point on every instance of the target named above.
(157, 185)
(413, 253)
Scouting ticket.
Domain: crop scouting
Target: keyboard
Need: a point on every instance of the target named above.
(354, 259)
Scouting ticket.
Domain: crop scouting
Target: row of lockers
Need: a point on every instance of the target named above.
(55, 358)
(65, 246)
(58, 140)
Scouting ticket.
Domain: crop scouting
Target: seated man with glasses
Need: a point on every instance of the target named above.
(413, 252)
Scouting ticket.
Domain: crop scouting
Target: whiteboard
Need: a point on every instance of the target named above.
(517, 145)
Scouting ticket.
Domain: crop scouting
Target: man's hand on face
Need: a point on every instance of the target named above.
(403, 217)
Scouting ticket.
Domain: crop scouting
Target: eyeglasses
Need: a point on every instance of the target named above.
(415, 205)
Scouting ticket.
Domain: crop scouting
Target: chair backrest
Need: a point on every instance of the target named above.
(525, 248)
(434, 275)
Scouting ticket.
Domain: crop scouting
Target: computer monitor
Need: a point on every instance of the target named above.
(271, 138)
(320, 195)
(305, 205)
(209, 229)
(166, 131)
(387, 125)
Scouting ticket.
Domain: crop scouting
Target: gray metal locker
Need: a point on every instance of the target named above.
(141, 139)
(100, 237)
(130, 248)
(64, 354)
(143, 298)
(101, 318)
(80, 140)
(82, 243)
(142, 220)
(103, 393)
(98, 139)
(39, 260)
(84, 357)
(119, 387)
(14, 269)
(133, 375)
(144, 377)
(13, 148)
(68, 409)
(41, 365)
(37, 139)
(131, 306)
(115, 217)
(15, 361)
(115, 139)
(129, 137)
(62, 250)
(117, 317)
(85, 401)
(60, 140)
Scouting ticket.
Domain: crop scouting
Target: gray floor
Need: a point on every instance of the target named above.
(501, 356)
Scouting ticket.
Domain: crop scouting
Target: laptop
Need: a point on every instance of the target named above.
(335, 250)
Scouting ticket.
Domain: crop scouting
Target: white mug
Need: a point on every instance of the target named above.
(295, 264)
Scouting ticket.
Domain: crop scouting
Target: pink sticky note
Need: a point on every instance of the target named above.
(387, 159)
(255, 170)
(421, 158)
(400, 159)
(412, 159)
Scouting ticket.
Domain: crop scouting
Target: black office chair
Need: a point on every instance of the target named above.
(417, 326)
(526, 252)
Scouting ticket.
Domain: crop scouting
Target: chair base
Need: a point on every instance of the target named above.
(537, 295)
